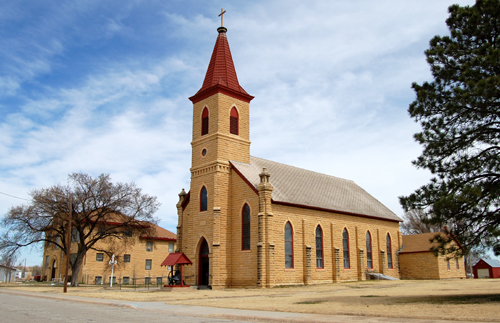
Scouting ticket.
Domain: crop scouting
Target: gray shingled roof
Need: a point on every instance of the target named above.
(303, 187)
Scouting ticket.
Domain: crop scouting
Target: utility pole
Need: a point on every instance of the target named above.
(68, 243)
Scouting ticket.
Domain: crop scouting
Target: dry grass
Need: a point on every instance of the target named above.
(477, 300)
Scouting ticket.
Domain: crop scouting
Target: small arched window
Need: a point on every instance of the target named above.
(345, 246)
(204, 122)
(389, 251)
(234, 122)
(288, 246)
(369, 263)
(319, 247)
(245, 228)
(203, 199)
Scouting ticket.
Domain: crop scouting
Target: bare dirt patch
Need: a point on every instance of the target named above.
(466, 300)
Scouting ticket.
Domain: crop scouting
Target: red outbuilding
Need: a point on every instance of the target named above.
(486, 268)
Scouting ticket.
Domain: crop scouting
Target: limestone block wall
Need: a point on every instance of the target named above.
(304, 223)
(243, 264)
(419, 265)
(426, 265)
(456, 267)
(220, 144)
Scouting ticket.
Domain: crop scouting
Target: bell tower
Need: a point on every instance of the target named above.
(220, 112)
(221, 123)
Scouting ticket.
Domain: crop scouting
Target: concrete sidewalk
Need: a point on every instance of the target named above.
(223, 313)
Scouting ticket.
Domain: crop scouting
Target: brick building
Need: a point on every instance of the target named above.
(139, 259)
(248, 221)
(417, 261)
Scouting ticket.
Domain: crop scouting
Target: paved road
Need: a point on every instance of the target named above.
(19, 308)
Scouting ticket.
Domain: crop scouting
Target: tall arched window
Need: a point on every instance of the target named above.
(369, 263)
(389, 252)
(319, 247)
(203, 199)
(233, 121)
(245, 228)
(204, 122)
(345, 245)
(288, 246)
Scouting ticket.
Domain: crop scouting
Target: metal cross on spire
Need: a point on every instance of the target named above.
(221, 15)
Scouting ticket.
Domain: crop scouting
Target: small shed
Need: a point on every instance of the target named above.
(486, 268)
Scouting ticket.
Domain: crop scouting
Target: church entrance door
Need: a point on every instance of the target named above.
(204, 264)
(53, 270)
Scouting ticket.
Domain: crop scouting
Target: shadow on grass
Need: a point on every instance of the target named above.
(310, 302)
(452, 299)
(399, 300)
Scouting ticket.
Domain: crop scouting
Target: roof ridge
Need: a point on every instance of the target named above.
(307, 170)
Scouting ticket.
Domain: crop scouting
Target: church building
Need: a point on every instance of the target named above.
(252, 222)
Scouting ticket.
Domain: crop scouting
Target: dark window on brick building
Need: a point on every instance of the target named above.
(389, 251)
(319, 248)
(203, 199)
(369, 263)
(204, 122)
(245, 228)
(288, 245)
(345, 247)
(234, 120)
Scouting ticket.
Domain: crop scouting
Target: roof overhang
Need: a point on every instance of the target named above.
(177, 258)
(218, 88)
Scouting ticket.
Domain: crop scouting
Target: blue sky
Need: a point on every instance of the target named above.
(103, 87)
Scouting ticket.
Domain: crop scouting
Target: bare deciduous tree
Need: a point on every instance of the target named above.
(99, 208)
(416, 222)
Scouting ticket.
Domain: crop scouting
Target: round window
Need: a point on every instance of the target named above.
(204, 152)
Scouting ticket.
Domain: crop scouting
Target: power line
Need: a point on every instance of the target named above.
(15, 196)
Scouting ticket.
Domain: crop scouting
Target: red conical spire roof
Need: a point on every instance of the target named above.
(221, 74)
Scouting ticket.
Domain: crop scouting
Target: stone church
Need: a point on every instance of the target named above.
(248, 221)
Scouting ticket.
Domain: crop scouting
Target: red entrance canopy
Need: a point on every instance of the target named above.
(177, 258)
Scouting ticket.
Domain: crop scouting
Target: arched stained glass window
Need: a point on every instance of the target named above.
(204, 122)
(319, 247)
(245, 228)
(345, 247)
(369, 263)
(288, 245)
(234, 122)
(389, 251)
(203, 199)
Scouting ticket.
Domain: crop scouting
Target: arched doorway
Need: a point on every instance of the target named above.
(54, 265)
(203, 264)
